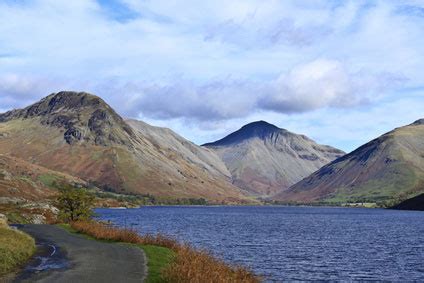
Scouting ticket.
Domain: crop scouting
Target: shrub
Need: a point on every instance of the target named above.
(74, 204)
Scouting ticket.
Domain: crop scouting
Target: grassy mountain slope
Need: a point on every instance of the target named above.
(22, 181)
(27, 190)
(415, 203)
(391, 166)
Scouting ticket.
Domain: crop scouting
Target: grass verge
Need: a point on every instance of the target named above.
(158, 259)
(175, 262)
(15, 249)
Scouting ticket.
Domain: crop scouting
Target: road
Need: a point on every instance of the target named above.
(65, 257)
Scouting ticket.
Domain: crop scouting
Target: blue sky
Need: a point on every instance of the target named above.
(341, 72)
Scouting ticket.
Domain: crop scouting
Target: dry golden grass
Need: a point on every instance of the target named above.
(189, 264)
(199, 266)
(104, 232)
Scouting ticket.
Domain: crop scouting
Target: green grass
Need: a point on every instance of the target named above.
(67, 227)
(28, 180)
(157, 257)
(48, 180)
(15, 217)
(96, 155)
(15, 248)
(15, 213)
(397, 179)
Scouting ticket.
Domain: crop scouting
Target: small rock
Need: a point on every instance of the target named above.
(5, 175)
(8, 200)
(35, 218)
(3, 220)
(38, 219)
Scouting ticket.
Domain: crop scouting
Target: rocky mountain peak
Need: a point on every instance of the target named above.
(61, 101)
(264, 159)
(74, 100)
(85, 117)
(258, 129)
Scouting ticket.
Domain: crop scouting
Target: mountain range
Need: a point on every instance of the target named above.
(76, 137)
(80, 135)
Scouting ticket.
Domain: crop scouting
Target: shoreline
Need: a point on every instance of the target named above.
(241, 205)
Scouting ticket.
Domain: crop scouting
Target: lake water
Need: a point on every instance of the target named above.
(295, 243)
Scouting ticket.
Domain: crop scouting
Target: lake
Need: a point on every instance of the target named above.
(294, 243)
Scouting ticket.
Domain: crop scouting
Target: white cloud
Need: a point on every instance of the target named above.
(318, 84)
(322, 83)
(191, 62)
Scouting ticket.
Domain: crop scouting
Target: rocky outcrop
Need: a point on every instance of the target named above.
(82, 116)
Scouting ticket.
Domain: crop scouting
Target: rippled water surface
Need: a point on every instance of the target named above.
(295, 243)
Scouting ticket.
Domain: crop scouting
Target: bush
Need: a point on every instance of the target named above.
(74, 204)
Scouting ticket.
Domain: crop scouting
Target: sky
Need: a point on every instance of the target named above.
(340, 72)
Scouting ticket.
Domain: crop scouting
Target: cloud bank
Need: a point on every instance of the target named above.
(212, 64)
(318, 84)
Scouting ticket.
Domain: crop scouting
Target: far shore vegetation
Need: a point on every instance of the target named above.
(382, 202)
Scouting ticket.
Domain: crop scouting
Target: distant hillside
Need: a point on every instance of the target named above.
(387, 168)
(21, 181)
(264, 159)
(27, 190)
(415, 203)
(79, 134)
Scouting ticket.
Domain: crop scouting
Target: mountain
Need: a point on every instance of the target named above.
(79, 134)
(174, 146)
(83, 118)
(387, 168)
(415, 203)
(264, 159)
(186, 169)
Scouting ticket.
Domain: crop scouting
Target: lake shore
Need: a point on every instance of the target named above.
(292, 243)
